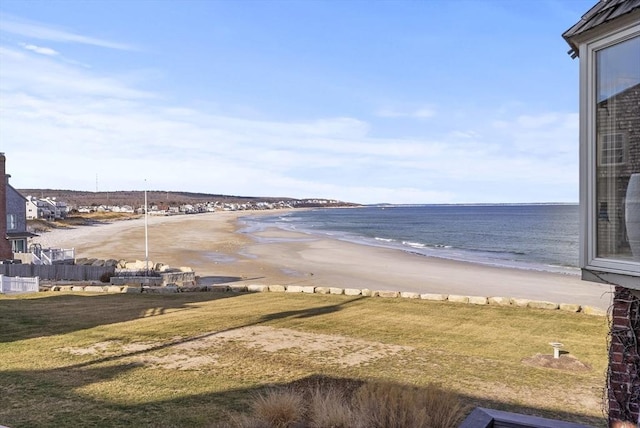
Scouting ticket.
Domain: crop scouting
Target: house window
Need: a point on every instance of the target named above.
(19, 246)
(12, 222)
(612, 149)
(611, 153)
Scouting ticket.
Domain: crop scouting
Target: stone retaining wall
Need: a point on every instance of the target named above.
(257, 288)
(178, 279)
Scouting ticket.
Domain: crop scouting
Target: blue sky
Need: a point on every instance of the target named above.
(434, 101)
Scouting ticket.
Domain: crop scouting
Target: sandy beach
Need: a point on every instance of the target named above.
(217, 248)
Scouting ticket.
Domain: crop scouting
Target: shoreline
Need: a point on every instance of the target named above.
(433, 254)
(221, 250)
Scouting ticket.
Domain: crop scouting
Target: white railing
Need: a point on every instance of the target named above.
(16, 284)
(35, 259)
(46, 260)
(48, 256)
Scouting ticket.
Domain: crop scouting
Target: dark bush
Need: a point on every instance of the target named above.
(106, 277)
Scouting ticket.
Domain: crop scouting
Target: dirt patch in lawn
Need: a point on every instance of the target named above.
(565, 362)
(330, 349)
(195, 353)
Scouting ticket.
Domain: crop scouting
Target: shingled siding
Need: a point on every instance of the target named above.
(56, 272)
(5, 246)
(617, 115)
(624, 358)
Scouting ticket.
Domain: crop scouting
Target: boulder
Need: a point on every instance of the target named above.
(388, 294)
(478, 300)
(435, 297)
(219, 288)
(366, 292)
(130, 289)
(277, 288)
(77, 288)
(409, 295)
(352, 291)
(500, 301)
(254, 288)
(458, 299)
(521, 303)
(569, 307)
(137, 265)
(538, 304)
(236, 288)
(113, 289)
(323, 290)
(336, 290)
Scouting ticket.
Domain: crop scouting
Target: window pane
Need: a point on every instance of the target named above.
(618, 151)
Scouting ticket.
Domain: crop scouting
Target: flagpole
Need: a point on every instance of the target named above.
(146, 231)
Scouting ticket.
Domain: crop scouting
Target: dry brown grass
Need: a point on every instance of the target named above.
(374, 405)
(390, 405)
(330, 408)
(279, 408)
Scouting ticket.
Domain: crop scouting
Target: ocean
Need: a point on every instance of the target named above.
(538, 237)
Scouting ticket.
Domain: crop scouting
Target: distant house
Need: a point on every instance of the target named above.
(45, 208)
(32, 208)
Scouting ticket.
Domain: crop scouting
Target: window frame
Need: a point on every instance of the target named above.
(608, 153)
(600, 269)
(12, 222)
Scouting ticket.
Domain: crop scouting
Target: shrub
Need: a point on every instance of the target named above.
(329, 407)
(390, 405)
(338, 403)
(279, 408)
(106, 277)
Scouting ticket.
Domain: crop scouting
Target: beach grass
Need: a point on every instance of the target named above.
(192, 359)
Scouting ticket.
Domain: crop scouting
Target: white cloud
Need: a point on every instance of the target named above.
(13, 25)
(39, 49)
(43, 77)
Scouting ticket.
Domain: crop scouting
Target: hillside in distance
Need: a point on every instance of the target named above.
(135, 198)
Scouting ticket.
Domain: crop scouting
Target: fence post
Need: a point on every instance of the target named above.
(1, 284)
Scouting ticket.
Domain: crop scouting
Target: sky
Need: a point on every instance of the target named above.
(405, 102)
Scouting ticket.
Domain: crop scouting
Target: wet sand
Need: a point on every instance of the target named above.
(217, 248)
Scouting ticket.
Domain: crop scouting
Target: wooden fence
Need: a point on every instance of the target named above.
(56, 272)
(19, 285)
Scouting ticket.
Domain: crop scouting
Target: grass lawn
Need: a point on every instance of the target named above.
(188, 359)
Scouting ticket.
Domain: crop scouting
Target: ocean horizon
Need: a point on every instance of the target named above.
(533, 236)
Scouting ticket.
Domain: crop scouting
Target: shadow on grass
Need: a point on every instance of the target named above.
(27, 318)
(308, 312)
(54, 398)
